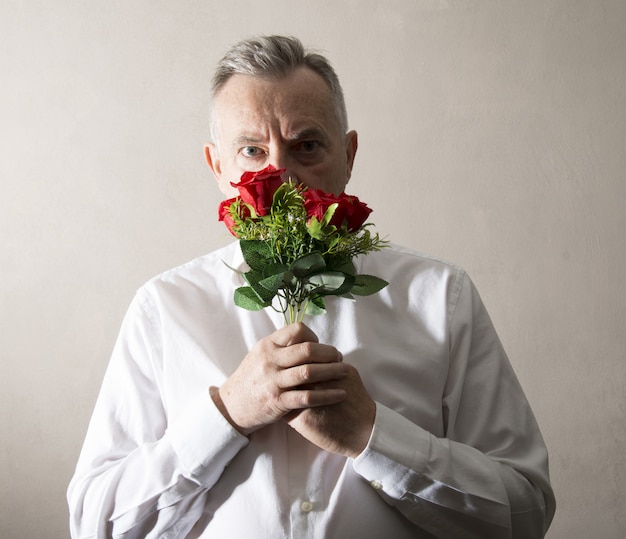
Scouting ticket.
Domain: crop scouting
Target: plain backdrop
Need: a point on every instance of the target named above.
(491, 134)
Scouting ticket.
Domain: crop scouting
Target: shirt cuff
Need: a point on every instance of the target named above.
(396, 450)
(204, 440)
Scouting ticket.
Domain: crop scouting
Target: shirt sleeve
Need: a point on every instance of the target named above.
(140, 473)
(488, 476)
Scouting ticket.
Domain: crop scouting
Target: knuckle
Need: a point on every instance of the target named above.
(261, 349)
(305, 373)
(305, 399)
(278, 404)
(304, 332)
(306, 348)
(293, 400)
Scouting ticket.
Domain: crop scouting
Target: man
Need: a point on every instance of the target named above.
(397, 415)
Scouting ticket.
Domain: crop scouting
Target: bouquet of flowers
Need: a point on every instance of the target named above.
(299, 244)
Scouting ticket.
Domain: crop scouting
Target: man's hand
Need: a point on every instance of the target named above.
(343, 428)
(279, 375)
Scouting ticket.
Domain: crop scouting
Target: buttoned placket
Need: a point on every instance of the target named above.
(305, 493)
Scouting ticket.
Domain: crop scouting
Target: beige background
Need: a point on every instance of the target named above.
(492, 134)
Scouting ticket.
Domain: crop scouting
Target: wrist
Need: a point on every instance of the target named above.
(216, 397)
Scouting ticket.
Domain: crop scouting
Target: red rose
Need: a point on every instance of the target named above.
(224, 214)
(350, 211)
(258, 188)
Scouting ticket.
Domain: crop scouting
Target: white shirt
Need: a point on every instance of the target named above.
(455, 450)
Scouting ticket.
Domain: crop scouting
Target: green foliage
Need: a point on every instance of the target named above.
(299, 259)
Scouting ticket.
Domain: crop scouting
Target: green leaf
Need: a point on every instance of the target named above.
(346, 267)
(320, 230)
(314, 228)
(256, 253)
(348, 270)
(246, 298)
(365, 285)
(308, 265)
(277, 281)
(328, 215)
(274, 268)
(238, 272)
(316, 306)
(254, 278)
(347, 285)
(326, 283)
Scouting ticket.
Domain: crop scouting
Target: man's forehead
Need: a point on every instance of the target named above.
(252, 109)
(250, 122)
(303, 91)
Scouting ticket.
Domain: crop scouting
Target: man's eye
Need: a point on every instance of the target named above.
(250, 151)
(308, 146)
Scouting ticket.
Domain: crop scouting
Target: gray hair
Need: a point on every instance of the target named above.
(277, 57)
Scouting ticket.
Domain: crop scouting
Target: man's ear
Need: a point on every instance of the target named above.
(213, 160)
(352, 143)
(212, 156)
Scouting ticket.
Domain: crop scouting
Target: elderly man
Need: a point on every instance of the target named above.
(397, 415)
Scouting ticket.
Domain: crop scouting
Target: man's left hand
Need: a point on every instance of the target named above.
(343, 428)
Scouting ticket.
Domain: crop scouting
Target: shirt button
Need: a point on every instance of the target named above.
(376, 485)
(306, 506)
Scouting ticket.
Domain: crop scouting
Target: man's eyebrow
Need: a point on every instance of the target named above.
(246, 139)
(307, 133)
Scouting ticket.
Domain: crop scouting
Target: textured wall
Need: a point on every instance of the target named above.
(491, 134)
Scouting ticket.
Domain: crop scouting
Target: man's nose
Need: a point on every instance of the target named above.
(282, 159)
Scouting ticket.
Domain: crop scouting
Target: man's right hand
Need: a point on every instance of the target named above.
(278, 376)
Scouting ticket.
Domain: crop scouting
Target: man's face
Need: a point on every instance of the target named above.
(289, 123)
